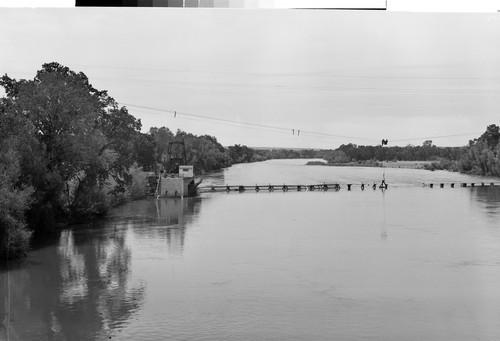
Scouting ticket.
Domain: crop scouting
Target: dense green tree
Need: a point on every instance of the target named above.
(161, 137)
(483, 154)
(14, 201)
(77, 141)
(427, 144)
(144, 150)
(121, 131)
(491, 136)
(63, 109)
(240, 154)
(204, 152)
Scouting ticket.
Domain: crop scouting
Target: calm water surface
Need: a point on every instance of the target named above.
(409, 263)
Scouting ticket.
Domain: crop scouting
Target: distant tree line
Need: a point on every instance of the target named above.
(480, 157)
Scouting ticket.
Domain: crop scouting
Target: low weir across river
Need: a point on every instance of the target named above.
(327, 186)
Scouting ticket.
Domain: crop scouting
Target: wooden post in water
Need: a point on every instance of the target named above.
(431, 185)
(452, 185)
(441, 185)
(349, 187)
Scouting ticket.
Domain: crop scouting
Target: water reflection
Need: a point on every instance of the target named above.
(163, 219)
(383, 233)
(76, 291)
(489, 199)
(362, 259)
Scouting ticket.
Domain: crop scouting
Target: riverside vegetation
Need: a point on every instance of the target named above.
(68, 153)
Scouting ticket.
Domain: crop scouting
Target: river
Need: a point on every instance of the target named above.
(407, 263)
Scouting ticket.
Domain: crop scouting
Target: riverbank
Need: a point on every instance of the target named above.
(406, 164)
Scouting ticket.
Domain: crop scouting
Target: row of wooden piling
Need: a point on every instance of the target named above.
(462, 184)
(327, 187)
(286, 188)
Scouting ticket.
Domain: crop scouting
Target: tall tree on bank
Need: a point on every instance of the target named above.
(483, 154)
(80, 139)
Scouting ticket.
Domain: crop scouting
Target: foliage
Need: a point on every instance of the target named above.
(89, 202)
(240, 154)
(144, 149)
(204, 152)
(137, 190)
(483, 154)
(161, 137)
(442, 164)
(121, 131)
(426, 152)
(14, 200)
(337, 156)
(74, 139)
(491, 136)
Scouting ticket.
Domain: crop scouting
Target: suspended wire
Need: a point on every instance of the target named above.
(179, 113)
(220, 123)
(299, 131)
(279, 86)
(164, 83)
(295, 132)
(311, 75)
(435, 137)
(282, 129)
(335, 136)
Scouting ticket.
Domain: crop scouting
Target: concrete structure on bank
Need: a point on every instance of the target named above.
(177, 185)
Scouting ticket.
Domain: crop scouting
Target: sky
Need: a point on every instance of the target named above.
(257, 77)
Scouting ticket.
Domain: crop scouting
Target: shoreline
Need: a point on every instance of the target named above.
(406, 164)
(380, 164)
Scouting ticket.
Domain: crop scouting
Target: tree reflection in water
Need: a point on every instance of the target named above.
(77, 291)
(81, 288)
(168, 219)
(489, 199)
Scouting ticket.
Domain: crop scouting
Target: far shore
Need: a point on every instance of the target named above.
(386, 164)
(406, 164)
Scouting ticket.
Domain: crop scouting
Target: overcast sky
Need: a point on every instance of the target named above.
(336, 76)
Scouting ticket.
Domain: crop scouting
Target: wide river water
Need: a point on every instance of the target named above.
(407, 263)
